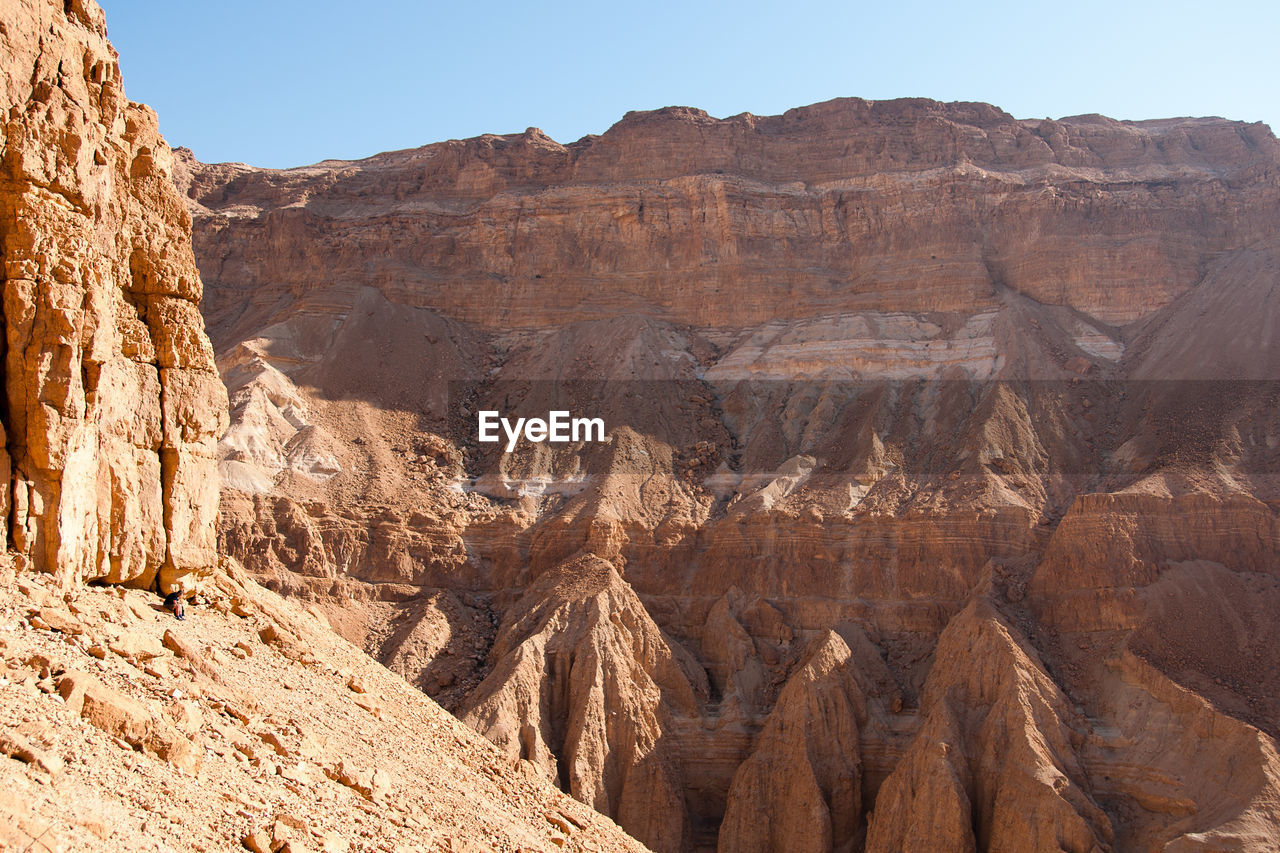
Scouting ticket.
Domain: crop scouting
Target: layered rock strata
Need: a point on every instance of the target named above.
(584, 686)
(937, 505)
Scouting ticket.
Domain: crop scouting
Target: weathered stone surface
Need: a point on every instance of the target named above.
(128, 719)
(106, 359)
(584, 687)
(993, 766)
(120, 761)
(906, 206)
(20, 748)
(136, 645)
(806, 771)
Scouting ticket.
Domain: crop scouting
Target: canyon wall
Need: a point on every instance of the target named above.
(112, 403)
(937, 504)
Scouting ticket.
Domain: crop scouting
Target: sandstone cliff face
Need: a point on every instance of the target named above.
(901, 206)
(941, 442)
(113, 405)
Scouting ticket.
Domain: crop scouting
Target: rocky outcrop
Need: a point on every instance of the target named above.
(993, 766)
(806, 770)
(113, 403)
(584, 686)
(905, 206)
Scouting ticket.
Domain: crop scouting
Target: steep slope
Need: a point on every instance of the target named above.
(584, 686)
(847, 205)
(113, 405)
(993, 766)
(246, 726)
(806, 771)
(250, 724)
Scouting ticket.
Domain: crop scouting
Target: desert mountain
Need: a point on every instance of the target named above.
(937, 509)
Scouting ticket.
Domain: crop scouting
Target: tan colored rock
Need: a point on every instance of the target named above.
(993, 766)
(580, 647)
(186, 716)
(689, 211)
(190, 652)
(100, 302)
(258, 841)
(136, 645)
(130, 720)
(806, 771)
(15, 745)
(61, 620)
(371, 783)
(272, 739)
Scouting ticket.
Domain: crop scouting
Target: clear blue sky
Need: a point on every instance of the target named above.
(285, 82)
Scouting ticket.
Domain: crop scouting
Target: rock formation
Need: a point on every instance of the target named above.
(938, 505)
(113, 406)
(585, 686)
(992, 767)
(806, 771)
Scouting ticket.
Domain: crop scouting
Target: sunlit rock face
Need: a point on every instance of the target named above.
(937, 503)
(112, 403)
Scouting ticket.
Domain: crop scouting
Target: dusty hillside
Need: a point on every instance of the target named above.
(938, 505)
(247, 725)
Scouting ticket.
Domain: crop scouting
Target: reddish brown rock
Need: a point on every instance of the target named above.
(993, 766)
(806, 771)
(905, 205)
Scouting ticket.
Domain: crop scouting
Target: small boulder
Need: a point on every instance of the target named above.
(127, 720)
(373, 784)
(136, 645)
(186, 716)
(115, 713)
(18, 747)
(61, 621)
(258, 841)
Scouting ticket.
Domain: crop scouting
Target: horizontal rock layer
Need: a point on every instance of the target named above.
(937, 500)
(894, 206)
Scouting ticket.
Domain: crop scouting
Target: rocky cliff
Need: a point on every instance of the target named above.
(112, 403)
(937, 509)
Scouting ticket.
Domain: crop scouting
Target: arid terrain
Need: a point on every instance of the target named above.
(937, 509)
(248, 725)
